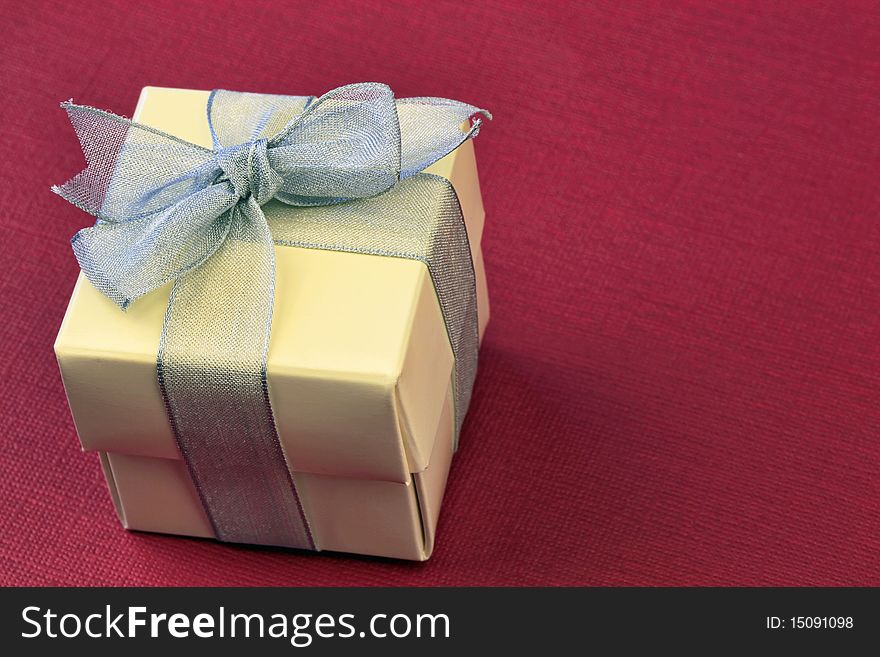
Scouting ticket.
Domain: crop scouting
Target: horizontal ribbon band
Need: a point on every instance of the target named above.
(347, 169)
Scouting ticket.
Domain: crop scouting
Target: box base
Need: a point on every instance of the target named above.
(379, 518)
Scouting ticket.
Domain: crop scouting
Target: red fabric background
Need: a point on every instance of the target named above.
(680, 381)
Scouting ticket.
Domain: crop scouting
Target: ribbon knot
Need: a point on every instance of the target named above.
(246, 167)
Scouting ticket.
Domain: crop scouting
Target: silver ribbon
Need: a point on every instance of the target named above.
(341, 172)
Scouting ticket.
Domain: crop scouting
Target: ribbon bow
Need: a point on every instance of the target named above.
(163, 204)
(348, 167)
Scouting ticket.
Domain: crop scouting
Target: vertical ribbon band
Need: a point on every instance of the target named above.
(212, 373)
(338, 173)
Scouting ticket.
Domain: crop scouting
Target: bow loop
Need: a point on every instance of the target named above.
(344, 145)
(239, 117)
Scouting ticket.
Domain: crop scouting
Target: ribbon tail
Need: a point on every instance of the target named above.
(212, 373)
(431, 128)
(133, 170)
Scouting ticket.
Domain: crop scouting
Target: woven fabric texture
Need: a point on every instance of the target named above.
(679, 384)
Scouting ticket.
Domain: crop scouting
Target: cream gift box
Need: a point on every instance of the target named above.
(359, 374)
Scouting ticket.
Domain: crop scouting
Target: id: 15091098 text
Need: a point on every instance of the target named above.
(809, 623)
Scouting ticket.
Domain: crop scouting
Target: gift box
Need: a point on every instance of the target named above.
(359, 372)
